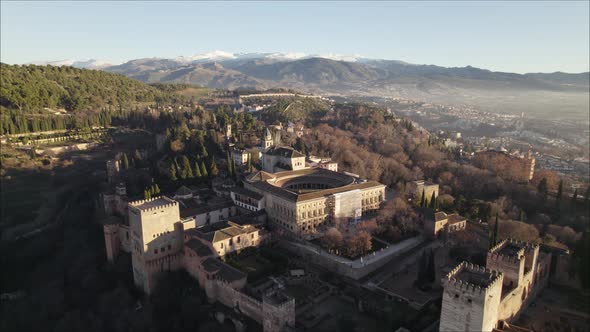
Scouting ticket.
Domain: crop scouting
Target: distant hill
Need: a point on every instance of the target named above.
(32, 88)
(322, 74)
(534, 93)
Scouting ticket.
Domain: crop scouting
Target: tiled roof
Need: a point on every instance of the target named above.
(455, 218)
(267, 185)
(183, 191)
(199, 247)
(248, 193)
(190, 210)
(284, 151)
(224, 271)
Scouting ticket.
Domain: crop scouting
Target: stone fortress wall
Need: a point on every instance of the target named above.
(515, 273)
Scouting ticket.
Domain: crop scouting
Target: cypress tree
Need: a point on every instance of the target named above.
(574, 201)
(432, 203)
(559, 194)
(173, 172)
(494, 237)
(249, 162)
(587, 198)
(197, 171)
(423, 199)
(229, 165)
(213, 168)
(422, 268)
(430, 269)
(204, 169)
(125, 161)
(156, 189)
(542, 188)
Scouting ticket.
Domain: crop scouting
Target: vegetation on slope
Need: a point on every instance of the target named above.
(32, 88)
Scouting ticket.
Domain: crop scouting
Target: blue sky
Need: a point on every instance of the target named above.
(519, 37)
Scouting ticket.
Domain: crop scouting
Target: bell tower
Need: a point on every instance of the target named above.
(267, 141)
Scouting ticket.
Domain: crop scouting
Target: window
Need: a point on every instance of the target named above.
(127, 234)
(251, 236)
(162, 249)
(169, 247)
(221, 245)
(155, 251)
(238, 239)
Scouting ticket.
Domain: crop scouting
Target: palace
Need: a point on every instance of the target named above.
(302, 200)
(478, 298)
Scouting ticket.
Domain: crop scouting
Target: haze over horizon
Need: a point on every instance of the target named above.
(520, 37)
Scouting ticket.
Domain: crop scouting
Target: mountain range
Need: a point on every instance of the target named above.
(360, 76)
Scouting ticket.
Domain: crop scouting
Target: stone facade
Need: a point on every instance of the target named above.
(160, 240)
(417, 188)
(439, 223)
(477, 298)
(301, 201)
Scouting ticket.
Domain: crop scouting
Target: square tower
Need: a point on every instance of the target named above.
(154, 235)
(471, 299)
(514, 259)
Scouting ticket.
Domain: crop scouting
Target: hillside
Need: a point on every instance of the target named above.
(535, 94)
(33, 88)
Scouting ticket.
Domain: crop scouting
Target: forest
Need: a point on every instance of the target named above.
(30, 95)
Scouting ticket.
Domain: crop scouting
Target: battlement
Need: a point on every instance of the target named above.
(154, 204)
(473, 278)
(278, 299)
(510, 250)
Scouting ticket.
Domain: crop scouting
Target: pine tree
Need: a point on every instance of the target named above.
(125, 161)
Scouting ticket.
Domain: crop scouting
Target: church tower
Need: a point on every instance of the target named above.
(267, 141)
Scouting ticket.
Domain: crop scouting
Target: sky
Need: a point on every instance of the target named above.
(520, 37)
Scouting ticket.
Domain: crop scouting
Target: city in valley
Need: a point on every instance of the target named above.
(279, 191)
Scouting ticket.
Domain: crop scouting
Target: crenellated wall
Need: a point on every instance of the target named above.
(467, 306)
